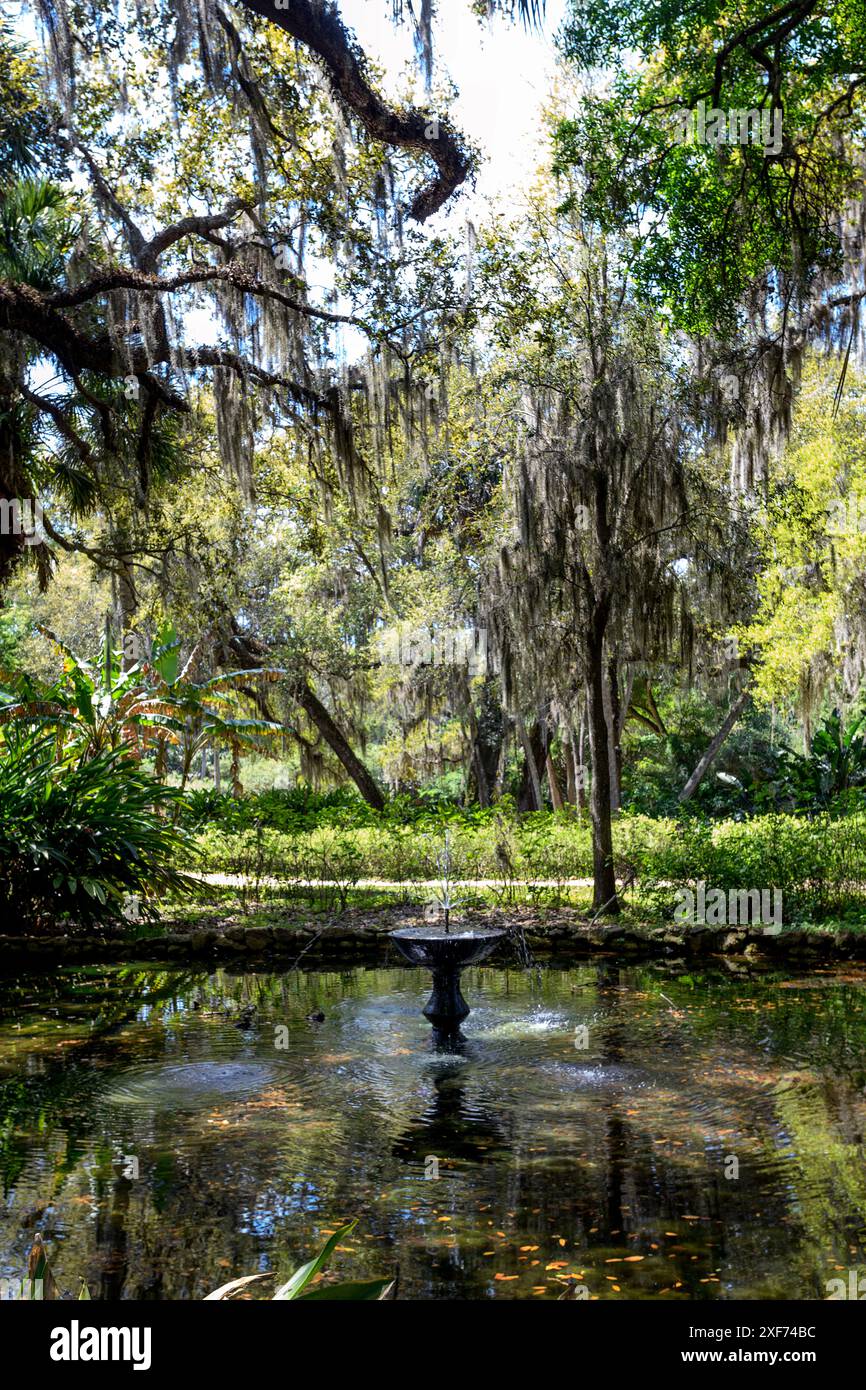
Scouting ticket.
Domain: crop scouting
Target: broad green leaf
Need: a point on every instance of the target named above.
(365, 1290)
(302, 1276)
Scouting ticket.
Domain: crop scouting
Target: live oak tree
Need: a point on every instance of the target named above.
(729, 150)
(177, 390)
(233, 204)
(195, 163)
(224, 154)
(383, 611)
(217, 162)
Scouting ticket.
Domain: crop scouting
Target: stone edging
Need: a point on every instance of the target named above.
(335, 944)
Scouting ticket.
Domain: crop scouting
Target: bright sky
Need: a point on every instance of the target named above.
(503, 72)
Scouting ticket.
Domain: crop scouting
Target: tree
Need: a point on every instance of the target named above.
(806, 640)
(676, 144)
(219, 203)
(610, 504)
(216, 203)
(730, 153)
(278, 151)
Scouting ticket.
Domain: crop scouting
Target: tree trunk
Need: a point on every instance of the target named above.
(580, 764)
(486, 732)
(363, 779)
(714, 745)
(553, 783)
(502, 764)
(534, 754)
(568, 755)
(604, 895)
(125, 606)
(625, 705)
(612, 718)
(237, 785)
(491, 730)
(249, 653)
(475, 778)
(13, 487)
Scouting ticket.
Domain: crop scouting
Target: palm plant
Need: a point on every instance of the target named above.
(197, 713)
(101, 707)
(37, 232)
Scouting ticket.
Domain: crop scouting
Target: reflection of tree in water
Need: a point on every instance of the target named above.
(614, 1051)
(111, 1239)
(635, 1141)
(107, 1002)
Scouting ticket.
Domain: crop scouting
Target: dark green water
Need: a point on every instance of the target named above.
(611, 1163)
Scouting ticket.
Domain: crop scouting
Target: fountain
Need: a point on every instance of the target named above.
(446, 952)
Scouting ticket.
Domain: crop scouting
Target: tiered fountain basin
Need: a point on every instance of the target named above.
(446, 953)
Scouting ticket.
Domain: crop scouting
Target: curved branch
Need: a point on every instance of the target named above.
(234, 362)
(124, 278)
(25, 310)
(151, 251)
(318, 26)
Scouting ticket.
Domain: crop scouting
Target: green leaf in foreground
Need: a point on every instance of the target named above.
(302, 1276)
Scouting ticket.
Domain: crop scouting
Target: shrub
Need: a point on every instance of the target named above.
(82, 841)
(818, 862)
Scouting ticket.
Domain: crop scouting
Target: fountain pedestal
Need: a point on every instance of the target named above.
(446, 1003)
(446, 954)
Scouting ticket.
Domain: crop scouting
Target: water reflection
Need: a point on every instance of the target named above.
(453, 1126)
(582, 1129)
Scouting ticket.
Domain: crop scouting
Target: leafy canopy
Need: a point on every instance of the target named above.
(717, 224)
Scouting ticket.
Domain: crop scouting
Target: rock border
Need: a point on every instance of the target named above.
(363, 944)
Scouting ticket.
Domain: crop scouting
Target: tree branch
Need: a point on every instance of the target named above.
(318, 26)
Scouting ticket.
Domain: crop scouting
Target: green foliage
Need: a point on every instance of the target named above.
(25, 133)
(818, 863)
(812, 538)
(710, 220)
(833, 772)
(295, 809)
(744, 775)
(300, 809)
(82, 842)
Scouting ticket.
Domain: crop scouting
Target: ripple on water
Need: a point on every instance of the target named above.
(185, 1086)
(602, 1076)
(532, 1023)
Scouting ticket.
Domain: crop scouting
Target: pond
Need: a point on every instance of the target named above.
(641, 1132)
